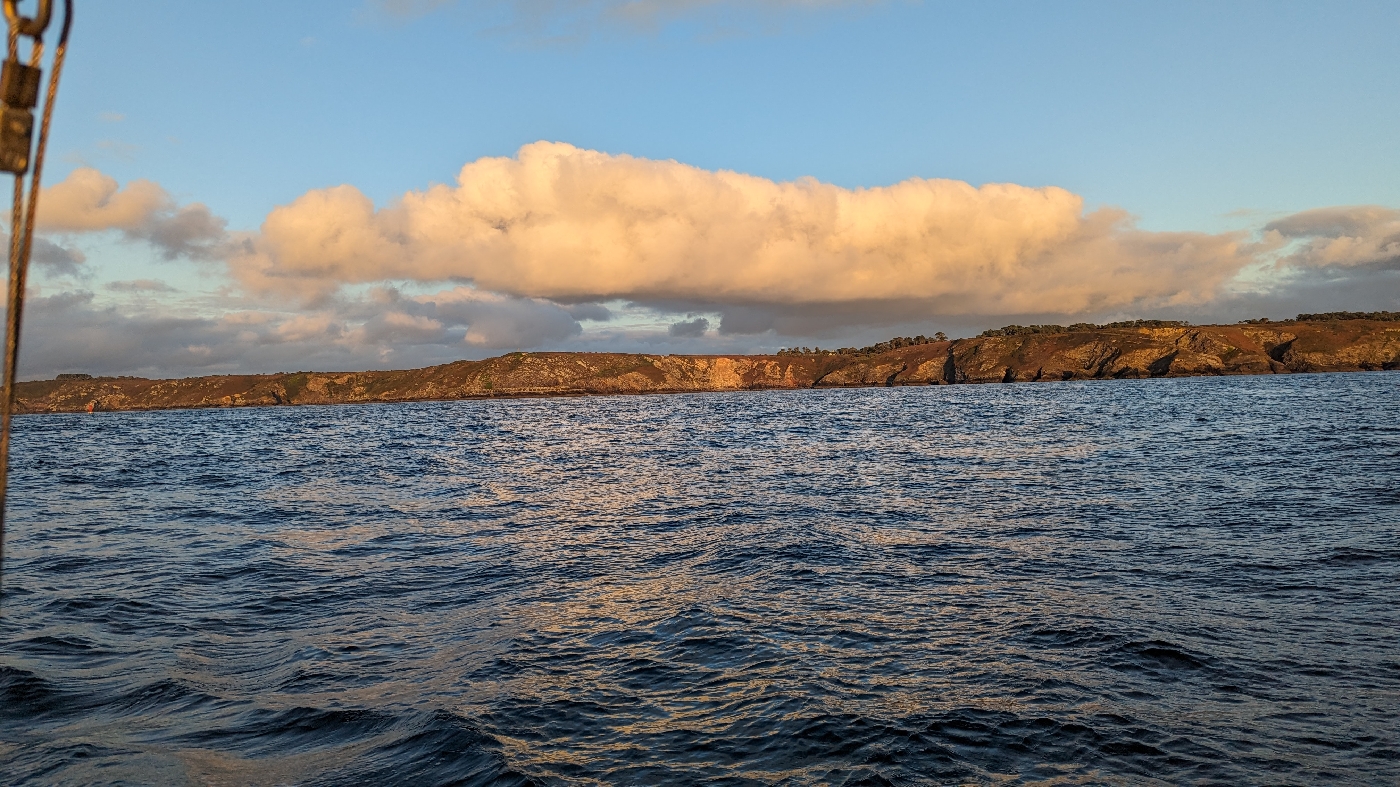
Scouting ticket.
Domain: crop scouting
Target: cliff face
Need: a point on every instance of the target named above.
(1349, 345)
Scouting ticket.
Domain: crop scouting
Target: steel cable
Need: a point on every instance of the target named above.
(22, 220)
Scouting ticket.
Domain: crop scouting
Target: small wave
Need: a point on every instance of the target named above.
(440, 748)
(25, 695)
(164, 696)
(1164, 660)
(72, 645)
(1360, 557)
(902, 586)
(1040, 636)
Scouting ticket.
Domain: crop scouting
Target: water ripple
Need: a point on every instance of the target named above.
(1185, 581)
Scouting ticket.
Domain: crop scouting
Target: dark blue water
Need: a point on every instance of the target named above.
(1188, 581)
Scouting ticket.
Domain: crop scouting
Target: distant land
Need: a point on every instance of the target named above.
(1335, 342)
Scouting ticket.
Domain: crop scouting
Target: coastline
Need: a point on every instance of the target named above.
(1066, 354)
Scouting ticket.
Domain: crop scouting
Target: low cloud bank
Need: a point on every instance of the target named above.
(74, 331)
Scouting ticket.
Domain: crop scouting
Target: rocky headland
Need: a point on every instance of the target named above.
(1313, 343)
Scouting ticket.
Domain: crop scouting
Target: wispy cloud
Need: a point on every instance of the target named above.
(140, 286)
(406, 9)
(572, 20)
(122, 150)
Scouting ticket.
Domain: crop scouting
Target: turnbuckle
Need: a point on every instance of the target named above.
(19, 88)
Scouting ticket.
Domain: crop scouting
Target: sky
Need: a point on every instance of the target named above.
(262, 187)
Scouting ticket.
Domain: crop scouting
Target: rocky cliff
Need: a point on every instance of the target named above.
(1091, 353)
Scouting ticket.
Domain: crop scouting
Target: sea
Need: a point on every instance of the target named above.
(1192, 581)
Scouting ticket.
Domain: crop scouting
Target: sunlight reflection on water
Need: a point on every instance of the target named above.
(1186, 580)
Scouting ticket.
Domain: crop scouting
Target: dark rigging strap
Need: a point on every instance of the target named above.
(19, 89)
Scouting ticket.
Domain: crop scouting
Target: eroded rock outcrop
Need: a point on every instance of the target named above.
(1105, 353)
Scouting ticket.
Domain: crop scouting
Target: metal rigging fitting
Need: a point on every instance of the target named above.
(19, 88)
(19, 95)
(34, 26)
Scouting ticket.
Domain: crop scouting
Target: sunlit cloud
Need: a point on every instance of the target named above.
(89, 201)
(1345, 237)
(567, 224)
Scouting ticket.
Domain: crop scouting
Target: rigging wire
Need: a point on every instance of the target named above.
(22, 217)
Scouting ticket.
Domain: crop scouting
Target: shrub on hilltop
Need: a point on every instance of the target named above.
(874, 349)
(1028, 330)
(1326, 316)
(1025, 330)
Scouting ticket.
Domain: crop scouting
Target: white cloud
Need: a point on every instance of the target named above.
(567, 224)
(1344, 237)
(89, 201)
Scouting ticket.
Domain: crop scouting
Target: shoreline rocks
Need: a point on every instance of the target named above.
(1099, 353)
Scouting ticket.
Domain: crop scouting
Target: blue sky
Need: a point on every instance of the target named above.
(1191, 117)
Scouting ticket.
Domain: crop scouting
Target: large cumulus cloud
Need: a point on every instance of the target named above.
(567, 224)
